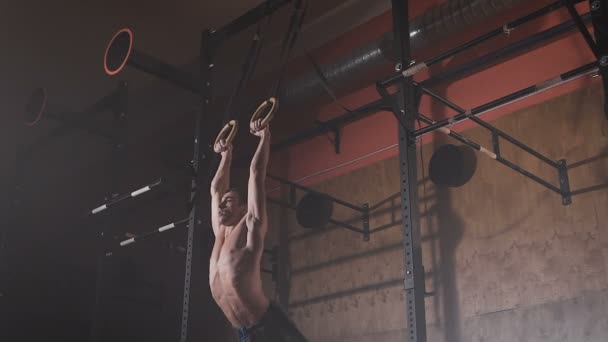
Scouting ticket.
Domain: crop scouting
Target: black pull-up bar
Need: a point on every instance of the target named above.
(153, 232)
(121, 198)
(494, 130)
(563, 190)
(509, 50)
(515, 96)
(505, 29)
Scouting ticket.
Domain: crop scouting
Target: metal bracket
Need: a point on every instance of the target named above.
(496, 143)
(191, 169)
(274, 263)
(366, 231)
(564, 182)
(119, 107)
(397, 111)
(337, 138)
(336, 131)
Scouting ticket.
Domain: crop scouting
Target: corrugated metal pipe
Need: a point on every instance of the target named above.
(367, 63)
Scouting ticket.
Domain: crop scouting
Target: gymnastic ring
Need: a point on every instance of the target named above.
(233, 126)
(258, 112)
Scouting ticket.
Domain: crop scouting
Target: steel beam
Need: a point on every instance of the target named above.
(197, 220)
(408, 110)
(241, 23)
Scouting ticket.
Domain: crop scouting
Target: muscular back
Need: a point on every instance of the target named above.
(234, 273)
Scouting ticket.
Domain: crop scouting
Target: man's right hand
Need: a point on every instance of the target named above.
(222, 147)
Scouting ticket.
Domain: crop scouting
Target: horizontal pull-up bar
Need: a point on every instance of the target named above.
(124, 197)
(506, 51)
(513, 97)
(505, 29)
(489, 127)
(530, 175)
(459, 137)
(495, 154)
(442, 126)
(153, 232)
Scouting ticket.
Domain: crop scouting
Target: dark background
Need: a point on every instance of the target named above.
(47, 277)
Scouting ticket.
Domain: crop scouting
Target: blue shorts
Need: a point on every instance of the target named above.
(274, 327)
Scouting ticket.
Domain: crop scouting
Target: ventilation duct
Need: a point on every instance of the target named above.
(366, 64)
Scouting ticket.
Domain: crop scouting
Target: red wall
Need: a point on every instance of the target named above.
(377, 133)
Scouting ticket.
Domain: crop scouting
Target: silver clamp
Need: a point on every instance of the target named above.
(414, 69)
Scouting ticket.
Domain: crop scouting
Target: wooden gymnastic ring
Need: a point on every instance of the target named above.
(258, 112)
(234, 126)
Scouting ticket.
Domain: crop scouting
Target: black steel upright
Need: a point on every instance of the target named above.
(203, 160)
(408, 110)
(599, 15)
(197, 220)
(119, 108)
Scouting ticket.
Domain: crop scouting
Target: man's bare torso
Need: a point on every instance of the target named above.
(235, 277)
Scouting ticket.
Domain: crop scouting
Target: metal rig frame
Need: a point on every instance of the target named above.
(363, 210)
(202, 162)
(404, 104)
(116, 102)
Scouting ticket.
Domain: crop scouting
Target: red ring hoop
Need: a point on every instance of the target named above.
(124, 62)
(40, 111)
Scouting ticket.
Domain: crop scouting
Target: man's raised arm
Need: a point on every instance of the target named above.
(256, 203)
(220, 182)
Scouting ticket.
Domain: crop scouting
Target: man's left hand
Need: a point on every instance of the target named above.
(256, 128)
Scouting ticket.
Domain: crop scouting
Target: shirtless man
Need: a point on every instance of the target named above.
(240, 224)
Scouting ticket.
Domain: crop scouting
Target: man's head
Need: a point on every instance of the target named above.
(233, 207)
